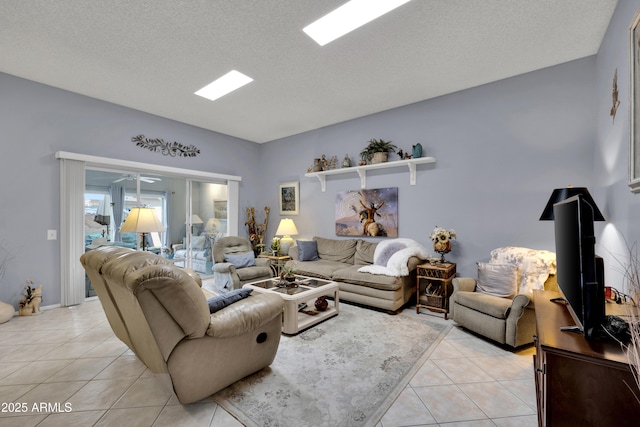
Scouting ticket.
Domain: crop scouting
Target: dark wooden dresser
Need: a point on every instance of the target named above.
(580, 382)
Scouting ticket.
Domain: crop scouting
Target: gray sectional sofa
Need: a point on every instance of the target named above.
(339, 260)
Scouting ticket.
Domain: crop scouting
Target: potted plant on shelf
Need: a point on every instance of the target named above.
(377, 151)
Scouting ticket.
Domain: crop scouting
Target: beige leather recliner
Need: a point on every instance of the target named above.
(227, 275)
(161, 313)
(506, 320)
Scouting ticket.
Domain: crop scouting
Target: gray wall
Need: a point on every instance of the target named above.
(38, 120)
(500, 149)
(620, 207)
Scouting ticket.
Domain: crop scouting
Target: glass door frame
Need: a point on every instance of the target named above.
(72, 243)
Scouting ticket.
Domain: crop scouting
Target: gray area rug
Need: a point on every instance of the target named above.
(346, 371)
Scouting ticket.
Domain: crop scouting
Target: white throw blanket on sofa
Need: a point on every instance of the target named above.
(391, 256)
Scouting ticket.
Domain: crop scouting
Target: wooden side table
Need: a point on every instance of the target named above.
(437, 279)
(277, 262)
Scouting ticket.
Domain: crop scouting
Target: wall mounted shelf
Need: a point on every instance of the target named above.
(362, 170)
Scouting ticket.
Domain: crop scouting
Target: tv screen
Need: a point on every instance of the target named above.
(579, 271)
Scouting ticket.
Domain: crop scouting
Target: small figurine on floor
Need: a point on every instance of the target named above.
(37, 299)
(30, 304)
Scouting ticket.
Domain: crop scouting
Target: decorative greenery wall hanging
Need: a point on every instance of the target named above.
(172, 149)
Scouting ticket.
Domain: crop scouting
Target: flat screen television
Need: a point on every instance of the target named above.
(580, 273)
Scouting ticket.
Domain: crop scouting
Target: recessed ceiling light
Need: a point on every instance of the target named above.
(225, 84)
(348, 17)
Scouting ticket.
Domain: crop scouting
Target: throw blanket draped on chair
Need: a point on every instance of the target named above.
(391, 256)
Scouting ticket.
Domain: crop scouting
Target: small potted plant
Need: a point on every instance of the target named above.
(289, 271)
(377, 151)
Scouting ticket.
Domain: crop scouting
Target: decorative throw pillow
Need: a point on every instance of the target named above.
(384, 252)
(500, 280)
(221, 301)
(242, 260)
(307, 250)
(198, 242)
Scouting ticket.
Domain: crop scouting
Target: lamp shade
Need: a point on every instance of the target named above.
(195, 219)
(142, 220)
(286, 228)
(560, 194)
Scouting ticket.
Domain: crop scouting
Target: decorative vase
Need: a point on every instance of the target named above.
(417, 151)
(346, 162)
(379, 157)
(317, 165)
(321, 303)
(442, 248)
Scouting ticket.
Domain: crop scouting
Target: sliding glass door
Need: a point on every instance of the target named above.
(193, 213)
(97, 194)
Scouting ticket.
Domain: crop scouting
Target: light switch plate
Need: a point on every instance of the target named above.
(52, 234)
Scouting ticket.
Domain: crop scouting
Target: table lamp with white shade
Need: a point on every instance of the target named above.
(144, 221)
(286, 229)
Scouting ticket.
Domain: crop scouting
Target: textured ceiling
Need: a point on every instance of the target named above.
(151, 55)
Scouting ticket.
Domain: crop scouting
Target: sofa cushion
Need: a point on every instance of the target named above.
(307, 250)
(198, 242)
(243, 260)
(322, 269)
(500, 280)
(491, 305)
(336, 250)
(218, 302)
(364, 252)
(376, 281)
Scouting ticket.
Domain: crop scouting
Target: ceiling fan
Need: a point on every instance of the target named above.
(147, 179)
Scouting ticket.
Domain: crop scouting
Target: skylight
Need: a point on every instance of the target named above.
(348, 17)
(225, 84)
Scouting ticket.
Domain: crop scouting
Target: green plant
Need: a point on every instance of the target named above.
(377, 146)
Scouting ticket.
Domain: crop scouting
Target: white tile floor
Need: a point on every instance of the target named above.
(69, 356)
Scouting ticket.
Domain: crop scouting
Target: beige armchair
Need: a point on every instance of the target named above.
(228, 256)
(506, 320)
(162, 314)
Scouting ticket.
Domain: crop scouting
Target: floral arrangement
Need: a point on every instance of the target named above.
(632, 278)
(275, 245)
(28, 294)
(441, 239)
(439, 234)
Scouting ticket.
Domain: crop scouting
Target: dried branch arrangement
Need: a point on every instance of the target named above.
(632, 279)
(172, 149)
(257, 231)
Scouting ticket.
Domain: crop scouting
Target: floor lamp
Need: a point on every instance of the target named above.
(144, 221)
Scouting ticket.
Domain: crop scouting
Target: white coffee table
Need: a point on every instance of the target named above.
(307, 291)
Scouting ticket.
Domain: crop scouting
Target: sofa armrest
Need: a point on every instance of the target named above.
(245, 316)
(294, 253)
(224, 267)
(263, 262)
(465, 284)
(520, 302)
(413, 262)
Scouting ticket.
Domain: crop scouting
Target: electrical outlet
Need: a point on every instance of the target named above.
(52, 234)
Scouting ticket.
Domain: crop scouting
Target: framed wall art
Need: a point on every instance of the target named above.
(634, 104)
(289, 198)
(367, 212)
